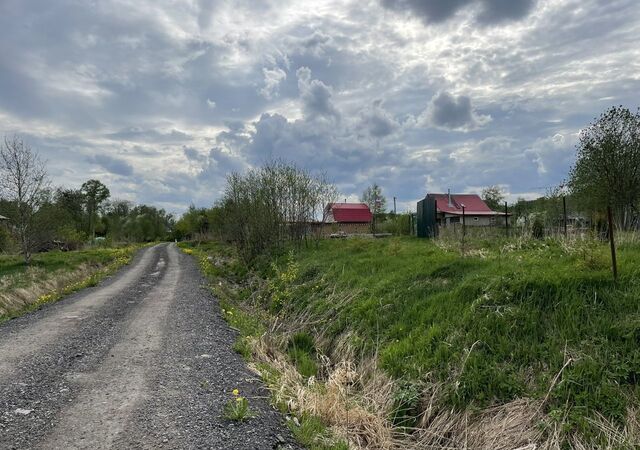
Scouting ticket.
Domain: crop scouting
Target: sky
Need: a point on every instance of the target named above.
(162, 99)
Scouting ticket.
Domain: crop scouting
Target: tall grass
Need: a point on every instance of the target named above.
(54, 274)
(534, 332)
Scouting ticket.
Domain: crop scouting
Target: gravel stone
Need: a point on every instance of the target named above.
(143, 360)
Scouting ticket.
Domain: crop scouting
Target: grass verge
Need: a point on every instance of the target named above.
(228, 279)
(410, 343)
(53, 275)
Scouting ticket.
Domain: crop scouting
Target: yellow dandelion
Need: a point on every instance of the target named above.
(236, 392)
(238, 399)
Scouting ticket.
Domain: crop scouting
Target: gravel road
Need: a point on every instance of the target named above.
(143, 360)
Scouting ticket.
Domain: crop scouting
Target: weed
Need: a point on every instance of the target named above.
(237, 408)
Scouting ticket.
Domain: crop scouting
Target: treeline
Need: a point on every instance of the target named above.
(42, 217)
(263, 210)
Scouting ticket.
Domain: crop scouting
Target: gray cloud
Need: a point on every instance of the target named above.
(454, 113)
(148, 135)
(113, 165)
(378, 122)
(80, 78)
(485, 11)
(315, 96)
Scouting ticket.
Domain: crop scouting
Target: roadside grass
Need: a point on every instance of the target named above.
(533, 326)
(228, 281)
(53, 275)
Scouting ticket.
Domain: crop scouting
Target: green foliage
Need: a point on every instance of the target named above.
(407, 404)
(398, 224)
(312, 433)
(302, 351)
(492, 327)
(95, 194)
(7, 243)
(606, 170)
(279, 287)
(373, 197)
(493, 196)
(237, 408)
(537, 228)
(14, 274)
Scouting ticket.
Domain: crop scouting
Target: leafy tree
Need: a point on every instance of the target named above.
(23, 181)
(373, 197)
(95, 194)
(493, 196)
(607, 168)
(71, 201)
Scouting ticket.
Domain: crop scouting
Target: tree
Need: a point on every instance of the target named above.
(23, 181)
(95, 194)
(493, 196)
(607, 168)
(373, 197)
(71, 201)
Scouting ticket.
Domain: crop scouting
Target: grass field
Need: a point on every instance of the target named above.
(509, 320)
(52, 275)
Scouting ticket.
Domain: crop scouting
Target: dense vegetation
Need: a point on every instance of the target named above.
(516, 318)
(41, 217)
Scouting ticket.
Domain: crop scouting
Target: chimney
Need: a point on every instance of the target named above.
(449, 196)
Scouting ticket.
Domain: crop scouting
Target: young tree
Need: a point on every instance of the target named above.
(373, 197)
(493, 197)
(95, 194)
(23, 181)
(607, 168)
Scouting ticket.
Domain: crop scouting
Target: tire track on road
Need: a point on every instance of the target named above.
(110, 394)
(25, 336)
(41, 381)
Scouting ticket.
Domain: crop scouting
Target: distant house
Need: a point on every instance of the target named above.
(350, 218)
(476, 211)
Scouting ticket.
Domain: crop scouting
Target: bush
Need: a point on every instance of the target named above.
(7, 244)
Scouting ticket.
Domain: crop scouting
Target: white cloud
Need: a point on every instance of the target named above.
(272, 79)
(162, 99)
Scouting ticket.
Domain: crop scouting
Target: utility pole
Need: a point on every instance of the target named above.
(614, 263)
(463, 228)
(506, 218)
(394, 204)
(564, 211)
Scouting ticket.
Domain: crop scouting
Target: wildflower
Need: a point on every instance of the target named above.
(239, 399)
(236, 392)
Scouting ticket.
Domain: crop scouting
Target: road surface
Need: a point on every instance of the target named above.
(143, 360)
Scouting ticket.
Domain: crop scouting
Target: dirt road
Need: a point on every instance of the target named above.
(143, 360)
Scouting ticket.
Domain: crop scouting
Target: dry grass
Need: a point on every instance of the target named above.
(356, 402)
(42, 284)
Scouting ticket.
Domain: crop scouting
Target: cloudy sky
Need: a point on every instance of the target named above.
(160, 99)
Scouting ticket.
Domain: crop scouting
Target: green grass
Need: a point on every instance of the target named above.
(47, 267)
(312, 433)
(49, 262)
(492, 327)
(307, 429)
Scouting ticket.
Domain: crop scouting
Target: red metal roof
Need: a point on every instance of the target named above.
(351, 212)
(473, 204)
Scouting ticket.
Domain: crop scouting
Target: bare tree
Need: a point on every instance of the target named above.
(270, 207)
(24, 182)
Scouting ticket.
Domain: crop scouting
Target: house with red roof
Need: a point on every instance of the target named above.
(350, 218)
(449, 210)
